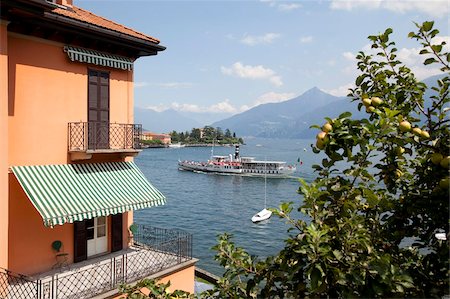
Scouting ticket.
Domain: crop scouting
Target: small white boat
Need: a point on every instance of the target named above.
(264, 214)
(176, 145)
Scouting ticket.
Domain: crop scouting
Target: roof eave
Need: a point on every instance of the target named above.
(145, 47)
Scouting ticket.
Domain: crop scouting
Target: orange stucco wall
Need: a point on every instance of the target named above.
(30, 250)
(3, 146)
(181, 280)
(46, 91)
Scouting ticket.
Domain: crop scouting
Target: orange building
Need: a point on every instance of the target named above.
(68, 184)
(165, 138)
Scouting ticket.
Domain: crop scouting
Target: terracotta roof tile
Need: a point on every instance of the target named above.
(82, 15)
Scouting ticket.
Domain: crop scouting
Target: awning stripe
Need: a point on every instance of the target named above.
(98, 58)
(73, 192)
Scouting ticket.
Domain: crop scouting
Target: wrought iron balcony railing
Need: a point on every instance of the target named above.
(155, 250)
(84, 136)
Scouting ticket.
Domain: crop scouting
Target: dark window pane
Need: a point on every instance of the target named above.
(90, 223)
(90, 233)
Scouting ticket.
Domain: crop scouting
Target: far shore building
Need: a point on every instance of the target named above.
(165, 138)
(68, 183)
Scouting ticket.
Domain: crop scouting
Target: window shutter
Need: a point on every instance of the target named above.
(98, 109)
(80, 242)
(116, 232)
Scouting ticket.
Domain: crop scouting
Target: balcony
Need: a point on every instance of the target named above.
(155, 251)
(88, 138)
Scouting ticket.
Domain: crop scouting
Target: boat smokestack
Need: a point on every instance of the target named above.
(236, 152)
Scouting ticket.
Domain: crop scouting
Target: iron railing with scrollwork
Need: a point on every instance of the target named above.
(156, 249)
(85, 136)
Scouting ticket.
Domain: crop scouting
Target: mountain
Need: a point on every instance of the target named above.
(288, 119)
(204, 117)
(165, 121)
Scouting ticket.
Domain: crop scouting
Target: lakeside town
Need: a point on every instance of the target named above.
(198, 137)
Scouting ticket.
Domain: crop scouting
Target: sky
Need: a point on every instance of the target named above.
(225, 57)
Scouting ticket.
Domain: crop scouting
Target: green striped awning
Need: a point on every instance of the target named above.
(98, 58)
(73, 192)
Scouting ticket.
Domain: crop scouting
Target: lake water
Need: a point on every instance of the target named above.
(206, 205)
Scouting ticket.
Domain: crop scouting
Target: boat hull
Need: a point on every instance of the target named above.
(261, 216)
(202, 167)
(237, 165)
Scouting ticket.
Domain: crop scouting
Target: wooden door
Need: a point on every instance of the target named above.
(98, 110)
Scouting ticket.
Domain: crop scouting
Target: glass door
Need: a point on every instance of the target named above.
(97, 236)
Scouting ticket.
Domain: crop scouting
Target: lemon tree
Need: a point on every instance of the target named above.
(379, 209)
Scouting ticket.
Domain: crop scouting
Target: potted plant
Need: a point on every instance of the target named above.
(133, 231)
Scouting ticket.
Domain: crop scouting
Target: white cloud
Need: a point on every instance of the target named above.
(349, 56)
(170, 85)
(224, 106)
(258, 72)
(140, 84)
(221, 107)
(273, 97)
(253, 40)
(433, 8)
(306, 39)
(269, 97)
(340, 91)
(174, 85)
(288, 6)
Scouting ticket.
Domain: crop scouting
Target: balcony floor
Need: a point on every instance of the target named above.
(97, 275)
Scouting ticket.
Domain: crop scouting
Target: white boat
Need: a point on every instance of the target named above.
(176, 145)
(237, 165)
(264, 214)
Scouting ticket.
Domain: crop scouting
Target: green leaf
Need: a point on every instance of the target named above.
(315, 278)
(436, 48)
(429, 61)
(345, 115)
(371, 197)
(427, 26)
(337, 254)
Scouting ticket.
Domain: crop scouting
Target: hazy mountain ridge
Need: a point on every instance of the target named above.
(288, 119)
(306, 110)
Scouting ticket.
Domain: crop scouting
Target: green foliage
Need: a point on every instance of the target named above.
(149, 288)
(380, 197)
(152, 142)
(207, 135)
